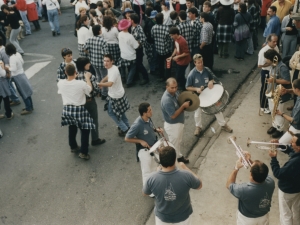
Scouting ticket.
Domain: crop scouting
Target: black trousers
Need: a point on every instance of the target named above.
(84, 139)
(263, 101)
(208, 56)
(7, 108)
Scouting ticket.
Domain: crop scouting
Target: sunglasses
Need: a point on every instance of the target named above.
(66, 50)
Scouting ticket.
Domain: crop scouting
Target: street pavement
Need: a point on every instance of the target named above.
(43, 183)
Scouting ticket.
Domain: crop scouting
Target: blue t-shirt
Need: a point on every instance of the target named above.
(171, 190)
(169, 104)
(254, 199)
(198, 79)
(142, 130)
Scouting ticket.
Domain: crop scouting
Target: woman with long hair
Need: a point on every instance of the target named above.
(84, 32)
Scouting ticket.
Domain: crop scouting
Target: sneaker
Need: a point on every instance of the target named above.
(262, 109)
(11, 116)
(2, 116)
(277, 134)
(84, 156)
(267, 111)
(271, 130)
(73, 150)
(122, 133)
(98, 142)
(183, 159)
(197, 131)
(15, 103)
(152, 196)
(227, 128)
(25, 112)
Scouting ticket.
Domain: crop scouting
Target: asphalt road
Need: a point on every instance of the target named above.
(42, 182)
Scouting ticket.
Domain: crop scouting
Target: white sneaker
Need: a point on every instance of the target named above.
(262, 109)
(152, 195)
(267, 111)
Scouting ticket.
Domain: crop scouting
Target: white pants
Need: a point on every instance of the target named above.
(287, 137)
(148, 165)
(243, 220)
(186, 222)
(175, 133)
(279, 120)
(289, 208)
(219, 116)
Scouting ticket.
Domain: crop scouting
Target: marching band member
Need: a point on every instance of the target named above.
(255, 196)
(294, 119)
(288, 182)
(174, 116)
(200, 77)
(280, 75)
(142, 133)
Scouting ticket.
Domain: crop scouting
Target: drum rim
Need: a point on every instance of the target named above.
(213, 103)
(220, 108)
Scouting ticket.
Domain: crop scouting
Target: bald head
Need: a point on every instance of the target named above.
(171, 84)
(170, 81)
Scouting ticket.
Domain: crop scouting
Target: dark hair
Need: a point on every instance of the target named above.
(93, 12)
(207, 3)
(182, 14)
(194, 11)
(1, 41)
(96, 29)
(10, 49)
(271, 53)
(259, 171)
(251, 2)
(81, 62)
(149, 3)
(81, 20)
(173, 15)
(143, 108)
(296, 84)
(5, 7)
(205, 16)
(298, 139)
(107, 22)
(269, 38)
(99, 3)
(167, 156)
(66, 51)
(243, 7)
(191, 1)
(291, 9)
(108, 3)
(159, 18)
(148, 11)
(135, 18)
(274, 9)
(174, 30)
(108, 56)
(70, 69)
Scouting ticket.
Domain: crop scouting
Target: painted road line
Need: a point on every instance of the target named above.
(40, 57)
(31, 71)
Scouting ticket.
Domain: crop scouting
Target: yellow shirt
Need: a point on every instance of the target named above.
(283, 10)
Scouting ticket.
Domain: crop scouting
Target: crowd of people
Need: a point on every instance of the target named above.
(182, 34)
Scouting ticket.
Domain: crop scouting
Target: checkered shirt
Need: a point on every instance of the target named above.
(124, 62)
(81, 51)
(114, 50)
(138, 34)
(255, 13)
(224, 33)
(207, 32)
(97, 48)
(162, 39)
(77, 115)
(148, 49)
(119, 105)
(186, 31)
(61, 71)
(96, 90)
(197, 26)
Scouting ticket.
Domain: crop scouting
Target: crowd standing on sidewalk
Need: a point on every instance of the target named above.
(186, 35)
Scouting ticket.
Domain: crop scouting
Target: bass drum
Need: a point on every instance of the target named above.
(159, 144)
(213, 100)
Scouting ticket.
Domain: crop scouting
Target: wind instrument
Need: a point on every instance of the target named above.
(239, 152)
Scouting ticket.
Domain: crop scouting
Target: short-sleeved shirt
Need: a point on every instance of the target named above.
(261, 58)
(127, 45)
(181, 47)
(116, 90)
(198, 78)
(142, 130)
(254, 199)
(169, 104)
(281, 71)
(171, 190)
(296, 115)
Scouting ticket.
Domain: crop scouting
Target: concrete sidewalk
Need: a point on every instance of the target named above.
(213, 204)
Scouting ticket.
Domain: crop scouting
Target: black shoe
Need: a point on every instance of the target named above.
(277, 134)
(84, 156)
(122, 133)
(103, 97)
(53, 33)
(58, 34)
(183, 159)
(98, 142)
(271, 130)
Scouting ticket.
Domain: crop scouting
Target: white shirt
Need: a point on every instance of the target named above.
(141, 2)
(73, 92)
(111, 37)
(261, 58)
(2, 72)
(51, 4)
(83, 34)
(16, 64)
(116, 90)
(182, 2)
(29, 2)
(167, 19)
(127, 45)
(80, 4)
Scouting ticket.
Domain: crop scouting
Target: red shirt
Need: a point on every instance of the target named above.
(21, 5)
(181, 47)
(264, 7)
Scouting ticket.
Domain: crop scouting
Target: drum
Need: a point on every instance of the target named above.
(159, 144)
(213, 100)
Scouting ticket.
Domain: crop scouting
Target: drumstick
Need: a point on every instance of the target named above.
(160, 134)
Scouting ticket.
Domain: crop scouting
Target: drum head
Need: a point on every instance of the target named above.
(209, 97)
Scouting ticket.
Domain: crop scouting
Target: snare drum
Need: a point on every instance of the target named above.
(159, 144)
(213, 100)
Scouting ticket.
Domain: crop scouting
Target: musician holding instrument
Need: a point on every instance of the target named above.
(142, 133)
(288, 182)
(255, 196)
(198, 78)
(294, 119)
(279, 74)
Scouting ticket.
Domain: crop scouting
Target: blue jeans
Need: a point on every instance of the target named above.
(14, 97)
(123, 123)
(100, 74)
(131, 72)
(53, 20)
(28, 103)
(153, 64)
(13, 38)
(23, 15)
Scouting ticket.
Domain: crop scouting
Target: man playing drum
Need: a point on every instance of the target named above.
(198, 78)
(142, 133)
